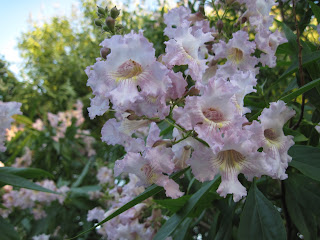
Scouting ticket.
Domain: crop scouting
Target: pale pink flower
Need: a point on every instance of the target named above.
(130, 73)
(105, 175)
(268, 43)
(38, 125)
(269, 135)
(215, 109)
(175, 18)
(185, 49)
(41, 237)
(6, 111)
(151, 165)
(112, 133)
(258, 12)
(237, 52)
(25, 160)
(233, 153)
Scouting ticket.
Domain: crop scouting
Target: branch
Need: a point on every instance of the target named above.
(301, 76)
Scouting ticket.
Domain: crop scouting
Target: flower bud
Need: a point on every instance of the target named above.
(193, 91)
(110, 22)
(114, 12)
(201, 9)
(243, 20)
(104, 52)
(98, 22)
(101, 11)
(219, 25)
(119, 190)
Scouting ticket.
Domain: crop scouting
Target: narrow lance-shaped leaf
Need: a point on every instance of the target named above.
(150, 191)
(301, 90)
(26, 172)
(306, 59)
(176, 219)
(10, 179)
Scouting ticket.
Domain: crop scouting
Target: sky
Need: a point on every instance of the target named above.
(14, 15)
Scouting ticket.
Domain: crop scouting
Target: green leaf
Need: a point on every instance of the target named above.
(298, 137)
(176, 219)
(30, 173)
(225, 226)
(307, 191)
(306, 159)
(22, 119)
(306, 59)
(301, 90)
(173, 205)
(84, 190)
(302, 217)
(82, 175)
(10, 179)
(150, 191)
(181, 232)
(260, 219)
(315, 10)
(7, 231)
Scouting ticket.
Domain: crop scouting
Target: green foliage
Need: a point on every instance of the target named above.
(56, 55)
(260, 219)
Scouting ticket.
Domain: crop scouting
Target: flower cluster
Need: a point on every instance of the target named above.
(25, 160)
(33, 200)
(62, 120)
(6, 111)
(211, 132)
(131, 224)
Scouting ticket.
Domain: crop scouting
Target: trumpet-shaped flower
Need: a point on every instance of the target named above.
(233, 153)
(237, 52)
(130, 72)
(114, 132)
(268, 43)
(176, 18)
(215, 109)
(151, 165)
(269, 134)
(185, 49)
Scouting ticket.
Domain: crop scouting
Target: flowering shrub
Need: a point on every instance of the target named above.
(197, 142)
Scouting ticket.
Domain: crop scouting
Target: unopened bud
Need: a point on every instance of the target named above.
(133, 117)
(101, 10)
(201, 10)
(114, 12)
(98, 22)
(104, 52)
(243, 20)
(193, 91)
(110, 22)
(162, 142)
(219, 25)
(187, 147)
